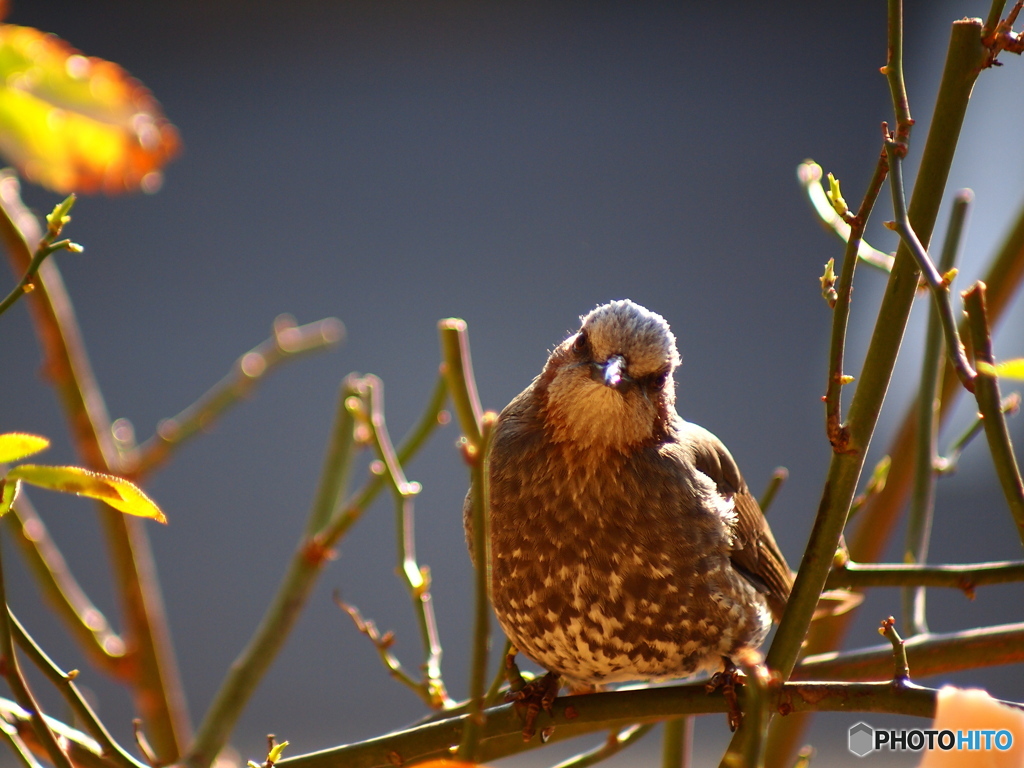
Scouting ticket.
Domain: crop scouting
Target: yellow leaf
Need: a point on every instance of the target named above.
(8, 493)
(119, 493)
(276, 752)
(73, 122)
(17, 445)
(1011, 369)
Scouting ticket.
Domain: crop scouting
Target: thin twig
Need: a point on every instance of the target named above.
(155, 686)
(873, 531)
(11, 671)
(901, 669)
(64, 683)
(838, 433)
(334, 474)
(876, 484)
(47, 246)
(480, 496)
(677, 743)
(893, 71)
(938, 283)
(82, 619)
(922, 500)
(1000, 36)
(934, 654)
(995, 13)
(20, 749)
(947, 463)
(987, 395)
(779, 476)
(588, 713)
(962, 577)
(417, 579)
(748, 745)
(809, 174)
(615, 743)
(458, 371)
(383, 643)
(476, 427)
(293, 592)
(433, 417)
(964, 60)
(288, 342)
(81, 748)
(499, 677)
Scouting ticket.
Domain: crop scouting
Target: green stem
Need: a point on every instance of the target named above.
(615, 743)
(987, 394)
(499, 677)
(962, 66)
(458, 372)
(963, 577)
(480, 498)
(779, 476)
(334, 475)
(893, 71)
(901, 669)
(416, 578)
(875, 524)
(578, 715)
(296, 585)
(288, 342)
(995, 13)
(938, 285)
(82, 749)
(63, 682)
(965, 57)
(46, 247)
(11, 671)
(750, 741)
(20, 749)
(677, 743)
(947, 463)
(836, 431)
(155, 685)
(433, 417)
(927, 655)
(922, 501)
(81, 618)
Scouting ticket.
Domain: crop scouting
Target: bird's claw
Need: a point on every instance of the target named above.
(726, 681)
(535, 696)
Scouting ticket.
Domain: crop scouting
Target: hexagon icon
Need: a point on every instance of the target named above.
(861, 739)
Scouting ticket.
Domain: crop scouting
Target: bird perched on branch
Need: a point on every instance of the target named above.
(624, 543)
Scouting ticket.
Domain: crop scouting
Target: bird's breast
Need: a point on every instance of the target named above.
(599, 572)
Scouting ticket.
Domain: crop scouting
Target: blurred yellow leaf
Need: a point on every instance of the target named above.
(1008, 369)
(119, 493)
(78, 123)
(17, 445)
(8, 493)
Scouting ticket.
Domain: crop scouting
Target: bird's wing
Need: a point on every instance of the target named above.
(755, 553)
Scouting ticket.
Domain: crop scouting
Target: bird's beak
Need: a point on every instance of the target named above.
(613, 372)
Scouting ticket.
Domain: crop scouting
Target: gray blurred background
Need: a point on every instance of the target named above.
(513, 164)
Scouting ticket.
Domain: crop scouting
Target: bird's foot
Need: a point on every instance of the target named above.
(726, 681)
(537, 695)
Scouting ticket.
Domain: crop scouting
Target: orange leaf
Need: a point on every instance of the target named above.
(78, 123)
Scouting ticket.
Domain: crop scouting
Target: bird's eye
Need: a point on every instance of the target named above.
(659, 380)
(580, 344)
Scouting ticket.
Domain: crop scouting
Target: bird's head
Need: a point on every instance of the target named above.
(610, 384)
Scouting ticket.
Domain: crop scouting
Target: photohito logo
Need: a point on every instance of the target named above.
(862, 740)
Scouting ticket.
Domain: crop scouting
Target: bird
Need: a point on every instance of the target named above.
(624, 543)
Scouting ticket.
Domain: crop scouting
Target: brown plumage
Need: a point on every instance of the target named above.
(625, 544)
